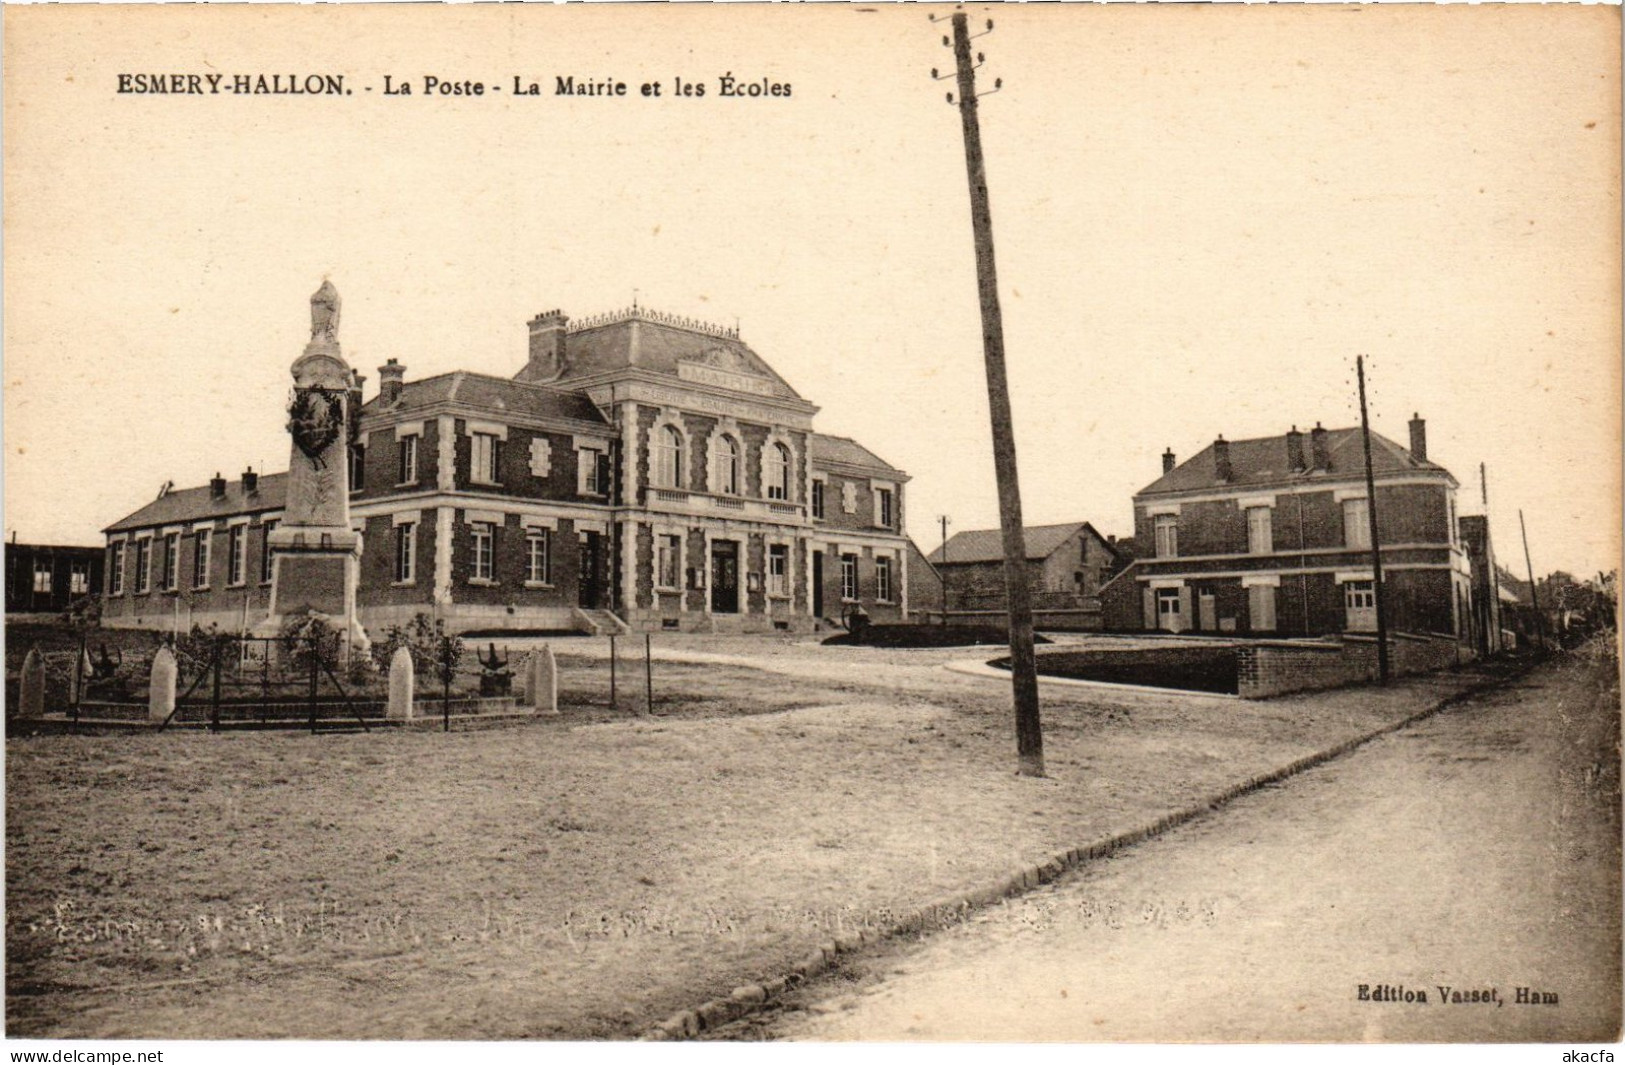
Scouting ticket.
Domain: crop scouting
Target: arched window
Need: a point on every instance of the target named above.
(727, 465)
(778, 472)
(669, 458)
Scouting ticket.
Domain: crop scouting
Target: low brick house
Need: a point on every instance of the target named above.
(1067, 565)
(1272, 537)
(639, 470)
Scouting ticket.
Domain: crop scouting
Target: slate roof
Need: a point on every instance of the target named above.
(193, 504)
(1264, 461)
(659, 346)
(987, 545)
(496, 394)
(844, 449)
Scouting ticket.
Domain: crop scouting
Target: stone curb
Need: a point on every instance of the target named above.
(953, 908)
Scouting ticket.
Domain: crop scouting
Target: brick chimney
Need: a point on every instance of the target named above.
(1419, 438)
(1294, 450)
(217, 487)
(391, 379)
(1317, 444)
(251, 481)
(547, 340)
(1221, 459)
(1168, 461)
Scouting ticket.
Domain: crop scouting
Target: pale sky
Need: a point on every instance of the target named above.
(1201, 214)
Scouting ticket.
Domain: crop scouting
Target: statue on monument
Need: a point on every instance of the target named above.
(324, 314)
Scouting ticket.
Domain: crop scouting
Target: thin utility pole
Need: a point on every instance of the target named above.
(1371, 516)
(1534, 593)
(1023, 667)
(942, 573)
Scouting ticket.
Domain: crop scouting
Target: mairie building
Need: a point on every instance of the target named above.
(639, 471)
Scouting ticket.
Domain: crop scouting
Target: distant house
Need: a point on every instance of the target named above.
(1272, 536)
(1067, 565)
(1486, 623)
(45, 578)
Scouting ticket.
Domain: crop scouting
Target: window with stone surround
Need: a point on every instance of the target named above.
(143, 565)
(484, 551)
(407, 467)
(358, 467)
(265, 555)
(669, 552)
(172, 562)
(727, 465)
(538, 557)
(592, 471)
(849, 577)
(778, 472)
(406, 552)
(668, 449)
(236, 554)
(483, 460)
(1260, 536)
(883, 580)
(884, 514)
(818, 486)
(115, 580)
(1356, 523)
(1166, 528)
(778, 570)
(200, 560)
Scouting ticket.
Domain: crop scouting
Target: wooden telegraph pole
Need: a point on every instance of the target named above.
(1371, 516)
(942, 573)
(1534, 592)
(1023, 667)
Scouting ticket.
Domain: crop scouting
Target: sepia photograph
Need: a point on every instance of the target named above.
(807, 524)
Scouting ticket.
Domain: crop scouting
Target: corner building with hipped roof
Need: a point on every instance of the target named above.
(1272, 537)
(640, 471)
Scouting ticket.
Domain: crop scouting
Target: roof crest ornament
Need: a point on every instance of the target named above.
(645, 314)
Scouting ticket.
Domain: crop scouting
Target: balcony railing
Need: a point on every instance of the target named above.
(699, 503)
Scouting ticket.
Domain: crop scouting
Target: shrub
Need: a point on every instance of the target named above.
(425, 640)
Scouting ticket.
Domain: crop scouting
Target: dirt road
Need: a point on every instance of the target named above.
(1477, 851)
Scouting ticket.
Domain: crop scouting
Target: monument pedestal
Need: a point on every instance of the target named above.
(315, 572)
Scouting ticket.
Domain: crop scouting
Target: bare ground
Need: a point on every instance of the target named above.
(578, 877)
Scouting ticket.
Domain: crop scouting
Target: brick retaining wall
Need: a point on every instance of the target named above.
(1266, 669)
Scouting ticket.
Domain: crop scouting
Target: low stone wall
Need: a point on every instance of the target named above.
(1271, 668)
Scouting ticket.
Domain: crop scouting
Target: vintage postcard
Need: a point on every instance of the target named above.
(887, 523)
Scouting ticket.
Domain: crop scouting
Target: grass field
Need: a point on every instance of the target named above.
(576, 877)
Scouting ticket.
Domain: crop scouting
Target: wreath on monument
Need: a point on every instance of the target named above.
(315, 418)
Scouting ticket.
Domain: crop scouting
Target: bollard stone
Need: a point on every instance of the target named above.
(400, 686)
(31, 696)
(161, 691)
(544, 680)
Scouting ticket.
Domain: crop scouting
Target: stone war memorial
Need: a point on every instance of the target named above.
(314, 553)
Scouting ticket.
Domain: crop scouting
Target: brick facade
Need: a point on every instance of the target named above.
(1271, 538)
(576, 487)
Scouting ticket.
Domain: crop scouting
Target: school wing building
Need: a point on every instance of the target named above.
(1272, 537)
(639, 471)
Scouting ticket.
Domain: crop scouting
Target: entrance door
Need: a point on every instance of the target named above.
(1360, 606)
(818, 583)
(588, 586)
(724, 577)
